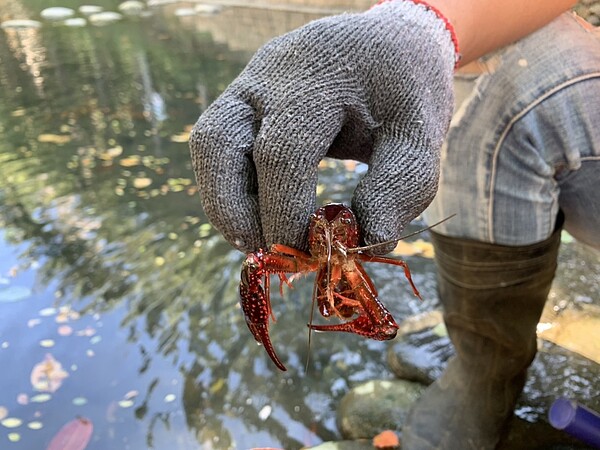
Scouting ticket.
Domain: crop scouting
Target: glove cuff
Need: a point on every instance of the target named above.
(447, 24)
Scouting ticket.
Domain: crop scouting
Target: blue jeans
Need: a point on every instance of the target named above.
(525, 142)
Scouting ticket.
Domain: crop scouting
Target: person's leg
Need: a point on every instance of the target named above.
(520, 150)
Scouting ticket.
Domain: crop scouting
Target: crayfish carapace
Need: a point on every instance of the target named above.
(342, 287)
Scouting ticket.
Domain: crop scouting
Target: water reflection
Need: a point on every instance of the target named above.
(99, 214)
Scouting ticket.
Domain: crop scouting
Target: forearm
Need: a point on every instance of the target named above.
(483, 26)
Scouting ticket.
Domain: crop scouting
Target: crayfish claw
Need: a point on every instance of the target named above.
(363, 327)
(261, 334)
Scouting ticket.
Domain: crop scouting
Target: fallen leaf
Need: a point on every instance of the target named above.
(11, 422)
(131, 394)
(48, 312)
(65, 330)
(14, 437)
(418, 247)
(125, 403)
(181, 137)
(48, 375)
(35, 425)
(79, 401)
(130, 161)
(33, 322)
(387, 439)
(40, 398)
(58, 139)
(75, 435)
(141, 183)
(47, 343)
(573, 329)
(111, 153)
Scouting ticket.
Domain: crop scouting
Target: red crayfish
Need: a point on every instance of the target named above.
(342, 287)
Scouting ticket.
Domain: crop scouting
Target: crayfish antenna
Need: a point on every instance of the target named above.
(393, 241)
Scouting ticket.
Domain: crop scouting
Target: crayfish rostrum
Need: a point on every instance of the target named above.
(342, 287)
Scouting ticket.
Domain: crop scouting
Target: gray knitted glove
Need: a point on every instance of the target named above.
(375, 87)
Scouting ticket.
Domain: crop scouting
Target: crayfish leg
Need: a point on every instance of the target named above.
(395, 262)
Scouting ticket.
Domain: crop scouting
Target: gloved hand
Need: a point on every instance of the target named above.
(375, 87)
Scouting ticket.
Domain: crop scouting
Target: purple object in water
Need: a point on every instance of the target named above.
(577, 420)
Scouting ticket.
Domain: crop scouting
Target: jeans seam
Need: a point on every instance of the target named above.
(504, 134)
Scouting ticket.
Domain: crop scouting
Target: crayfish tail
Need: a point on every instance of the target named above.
(261, 334)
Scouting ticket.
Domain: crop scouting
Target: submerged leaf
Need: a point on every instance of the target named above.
(48, 375)
(386, 439)
(75, 435)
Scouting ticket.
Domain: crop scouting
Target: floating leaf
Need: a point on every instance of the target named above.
(47, 343)
(75, 435)
(142, 182)
(35, 425)
(111, 153)
(14, 437)
(40, 398)
(87, 331)
(11, 422)
(80, 401)
(33, 322)
(14, 294)
(130, 161)
(65, 330)
(58, 139)
(170, 398)
(22, 399)
(48, 312)
(181, 137)
(3, 412)
(48, 375)
(131, 394)
(66, 314)
(126, 403)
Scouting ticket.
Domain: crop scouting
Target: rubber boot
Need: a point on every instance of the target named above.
(493, 296)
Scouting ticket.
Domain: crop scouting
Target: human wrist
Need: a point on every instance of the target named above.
(428, 6)
(482, 27)
(429, 18)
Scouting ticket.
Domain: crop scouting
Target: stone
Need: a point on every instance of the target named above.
(422, 355)
(57, 13)
(375, 406)
(360, 444)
